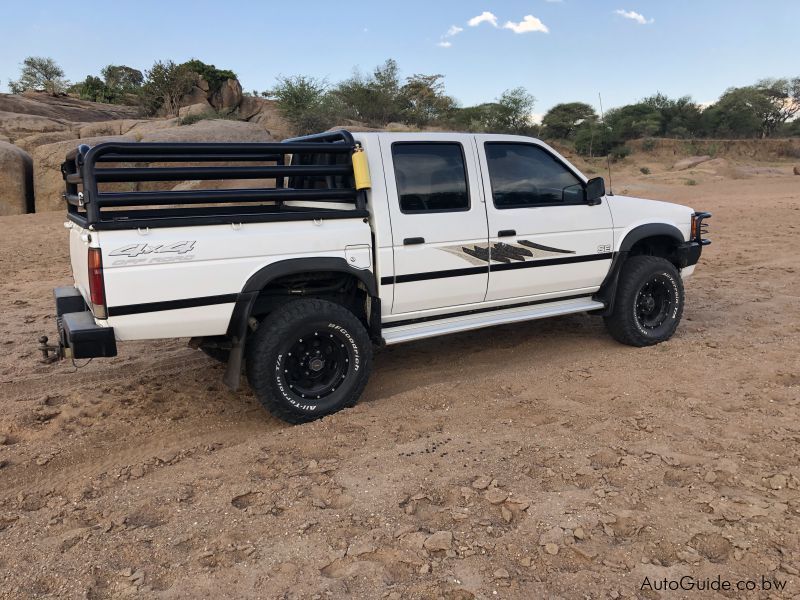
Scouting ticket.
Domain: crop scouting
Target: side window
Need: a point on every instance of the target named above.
(525, 175)
(431, 177)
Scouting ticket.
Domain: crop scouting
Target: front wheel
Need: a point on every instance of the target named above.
(307, 359)
(649, 302)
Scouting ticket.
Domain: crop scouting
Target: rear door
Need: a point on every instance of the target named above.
(544, 237)
(438, 220)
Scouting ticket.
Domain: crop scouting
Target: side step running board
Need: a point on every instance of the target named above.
(443, 326)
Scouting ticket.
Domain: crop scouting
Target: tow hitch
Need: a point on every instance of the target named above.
(50, 353)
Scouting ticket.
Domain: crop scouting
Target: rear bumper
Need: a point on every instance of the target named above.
(79, 334)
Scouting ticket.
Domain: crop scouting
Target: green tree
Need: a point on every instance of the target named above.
(784, 96)
(92, 88)
(633, 121)
(165, 84)
(593, 138)
(739, 113)
(425, 100)
(40, 73)
(561, 121)
(374, 99)
(680, 117)
(758, 110)
(512, 113)
(120, 85)
(122, 80)
(305, 102)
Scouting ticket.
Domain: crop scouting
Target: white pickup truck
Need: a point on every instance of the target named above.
(291, 260)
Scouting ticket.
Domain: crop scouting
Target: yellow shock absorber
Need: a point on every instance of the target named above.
(361, 169)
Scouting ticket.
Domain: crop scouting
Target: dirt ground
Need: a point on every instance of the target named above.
(540, 460)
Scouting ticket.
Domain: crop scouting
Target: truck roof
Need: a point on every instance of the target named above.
(437, 135)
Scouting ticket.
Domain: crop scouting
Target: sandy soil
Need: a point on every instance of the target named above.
(528, 461)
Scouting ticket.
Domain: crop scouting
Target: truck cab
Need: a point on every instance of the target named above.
(340, 242)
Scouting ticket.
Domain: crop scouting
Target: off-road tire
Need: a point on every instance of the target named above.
(646, 282)
(324, 336)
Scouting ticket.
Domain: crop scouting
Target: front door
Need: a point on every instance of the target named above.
(544, 237)
(438, 219)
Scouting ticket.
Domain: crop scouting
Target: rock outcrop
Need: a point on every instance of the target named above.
(18, 125)
(48, 184)
(228, 97)
(224, 100)
(30, 142)
(265, 112)
(16, 180)
(47, 159)
(196, 110)
(64, 108)
(211, 130)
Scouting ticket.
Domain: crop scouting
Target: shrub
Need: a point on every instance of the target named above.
(649, 144)
(305, 102)
(620, 152)
(691, 182)
(164, 86)
(214, 76)
(645, 170)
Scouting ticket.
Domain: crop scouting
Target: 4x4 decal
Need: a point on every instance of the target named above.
(134, 250)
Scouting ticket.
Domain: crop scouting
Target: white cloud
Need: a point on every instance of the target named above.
(634, 16)
(454, 30)
(444, 44)
(484, 17)
(528, 24)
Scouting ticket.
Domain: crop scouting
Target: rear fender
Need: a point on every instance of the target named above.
(243, 309)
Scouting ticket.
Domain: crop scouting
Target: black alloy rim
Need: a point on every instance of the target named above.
(316, 365)
(653, 303)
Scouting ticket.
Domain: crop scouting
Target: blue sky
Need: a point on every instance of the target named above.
(677, 47)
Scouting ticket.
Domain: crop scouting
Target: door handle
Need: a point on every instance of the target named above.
(507, 233)
(414, 240)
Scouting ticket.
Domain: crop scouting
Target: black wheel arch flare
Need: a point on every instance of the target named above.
(242, 310)
(608, 289)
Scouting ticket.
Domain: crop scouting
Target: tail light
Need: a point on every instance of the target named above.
(97, 290)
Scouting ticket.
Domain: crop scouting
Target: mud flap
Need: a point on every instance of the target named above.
(233, 372)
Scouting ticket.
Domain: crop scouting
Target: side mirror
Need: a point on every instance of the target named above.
(595, 190)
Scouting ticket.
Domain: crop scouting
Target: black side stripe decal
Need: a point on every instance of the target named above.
(547, 262)
(137, 309)
(435, 275)
(545, 248)
(544, 262)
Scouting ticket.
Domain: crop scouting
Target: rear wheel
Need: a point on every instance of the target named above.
(307, 359)
(649, 302)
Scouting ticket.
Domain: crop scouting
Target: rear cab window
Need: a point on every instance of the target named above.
(431, 177)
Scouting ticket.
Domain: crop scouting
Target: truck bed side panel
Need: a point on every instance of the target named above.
(183, 281)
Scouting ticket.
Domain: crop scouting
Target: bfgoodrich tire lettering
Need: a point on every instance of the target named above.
(309, 358)
(649, 302)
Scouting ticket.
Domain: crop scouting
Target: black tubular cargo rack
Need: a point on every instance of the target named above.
(319, 172)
